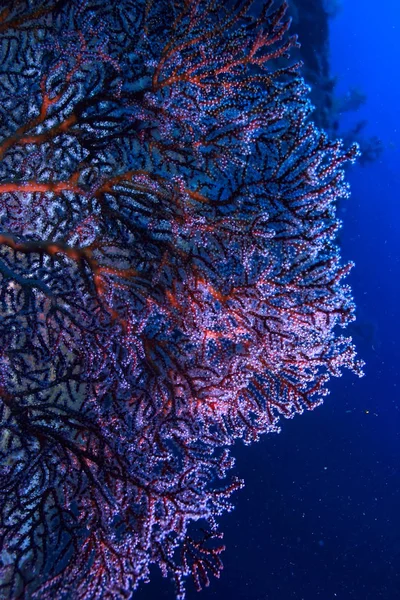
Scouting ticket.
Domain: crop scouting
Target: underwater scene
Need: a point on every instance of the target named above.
(199, 315)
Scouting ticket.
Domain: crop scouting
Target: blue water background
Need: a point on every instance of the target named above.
(319, 517)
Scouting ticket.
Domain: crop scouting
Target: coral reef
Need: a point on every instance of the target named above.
(170, 280)
(311, 21)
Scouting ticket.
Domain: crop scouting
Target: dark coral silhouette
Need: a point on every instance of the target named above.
(169, 280)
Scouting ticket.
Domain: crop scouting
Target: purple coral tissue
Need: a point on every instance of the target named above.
(169, 280)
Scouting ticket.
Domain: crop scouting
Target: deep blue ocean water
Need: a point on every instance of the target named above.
(319, 517)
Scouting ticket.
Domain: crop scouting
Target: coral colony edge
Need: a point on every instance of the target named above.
(170, 281)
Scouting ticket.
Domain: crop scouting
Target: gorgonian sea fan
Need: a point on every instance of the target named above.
(170, 280)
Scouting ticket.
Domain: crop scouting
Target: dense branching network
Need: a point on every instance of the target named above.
(169, 279)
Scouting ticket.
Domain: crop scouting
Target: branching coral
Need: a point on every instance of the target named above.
(169, 280)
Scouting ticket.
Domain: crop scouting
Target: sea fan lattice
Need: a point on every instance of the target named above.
(170, 280)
